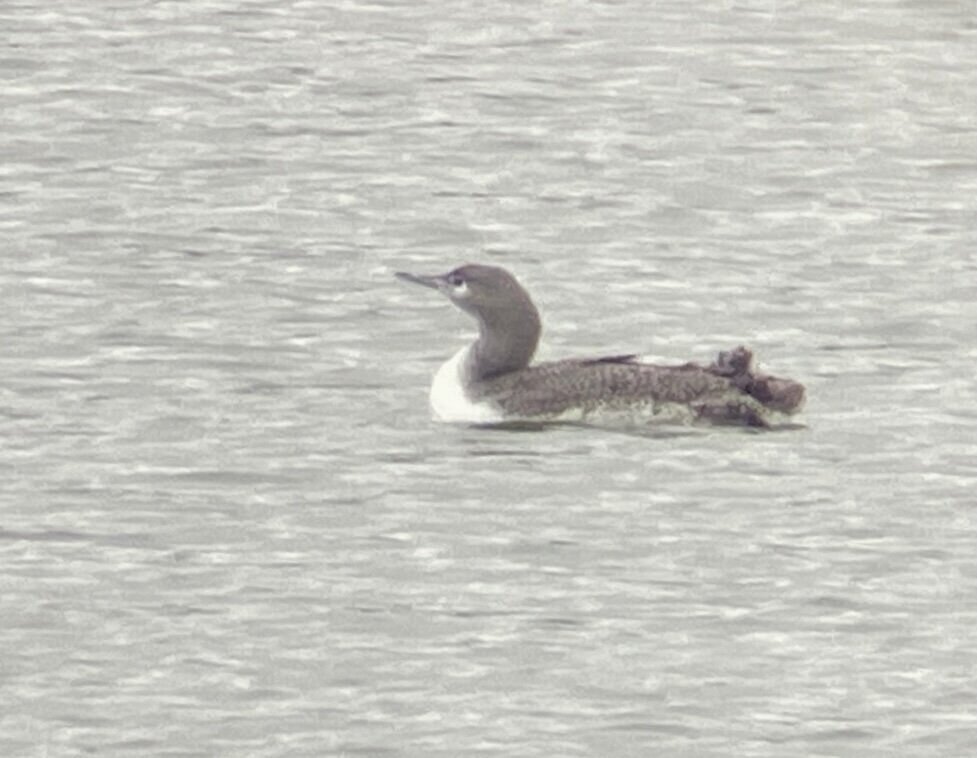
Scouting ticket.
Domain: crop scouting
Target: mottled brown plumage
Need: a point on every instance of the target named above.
(641, 390)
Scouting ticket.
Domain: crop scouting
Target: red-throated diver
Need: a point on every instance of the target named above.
(491, 379)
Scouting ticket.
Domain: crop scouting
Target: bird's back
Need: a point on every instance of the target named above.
(727, 391)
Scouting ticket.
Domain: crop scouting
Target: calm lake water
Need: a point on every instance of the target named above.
(228, 525)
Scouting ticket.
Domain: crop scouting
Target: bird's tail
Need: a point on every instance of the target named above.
(775, 393)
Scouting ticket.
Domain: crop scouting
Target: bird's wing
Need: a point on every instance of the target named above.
(549, 389)
(726, 391)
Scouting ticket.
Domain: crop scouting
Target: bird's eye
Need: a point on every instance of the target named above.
(455, 280)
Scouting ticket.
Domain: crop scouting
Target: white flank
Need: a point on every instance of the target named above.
(449, 400)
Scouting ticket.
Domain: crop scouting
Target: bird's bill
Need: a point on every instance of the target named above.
(434, 282)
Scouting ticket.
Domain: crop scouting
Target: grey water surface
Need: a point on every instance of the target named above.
(228, 525)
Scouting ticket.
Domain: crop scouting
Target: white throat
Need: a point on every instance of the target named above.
(451, 403)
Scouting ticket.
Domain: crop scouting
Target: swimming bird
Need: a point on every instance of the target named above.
(493, 379)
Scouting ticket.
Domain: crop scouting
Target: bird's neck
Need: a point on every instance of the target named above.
(506, 342)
